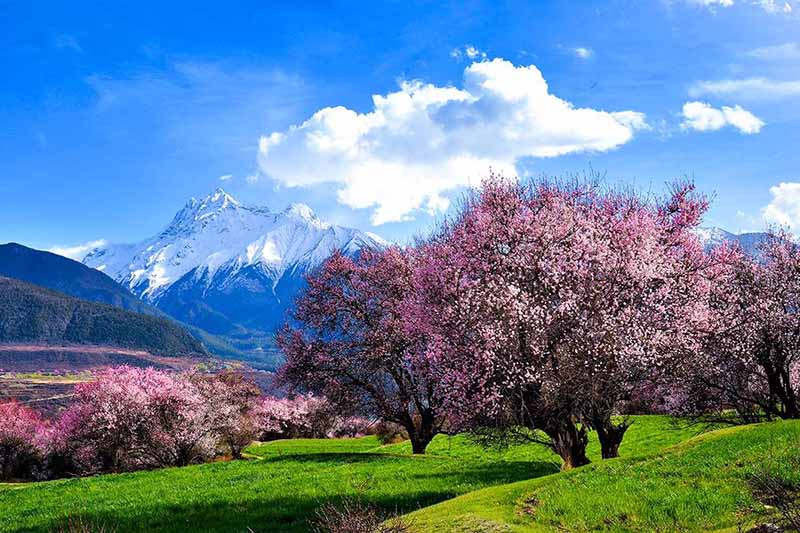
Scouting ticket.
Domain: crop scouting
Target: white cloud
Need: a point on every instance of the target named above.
(770, 6)
(784, 209)
(79, 251)
(749, 88)
(712, 3)
(778, 52)
(583, 52)
(701, 116)
(423, 140)
(469, 52)
(226, 177)
(69, 42)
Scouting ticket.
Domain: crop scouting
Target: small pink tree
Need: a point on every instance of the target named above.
(23, 436)
(232, 400)
(351, 343)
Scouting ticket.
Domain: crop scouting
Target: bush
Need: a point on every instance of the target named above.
(304, 416)
(356, 517)
(390, 433)
(133, 419)
(23, 437)
(353, 426)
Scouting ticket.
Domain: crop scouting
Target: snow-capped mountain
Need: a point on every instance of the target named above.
(225, 266)
(711, 237)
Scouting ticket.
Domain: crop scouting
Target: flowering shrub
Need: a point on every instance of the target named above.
(353, 426)
(304, 416)
(131, 419)
(233, 414)
(23, 436)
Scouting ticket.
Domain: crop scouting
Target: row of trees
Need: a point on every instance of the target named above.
(131, 419)
(541, 310)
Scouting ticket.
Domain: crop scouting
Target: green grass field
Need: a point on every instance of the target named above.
(666, 481)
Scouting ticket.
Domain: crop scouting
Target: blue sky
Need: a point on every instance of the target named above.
(113, 114)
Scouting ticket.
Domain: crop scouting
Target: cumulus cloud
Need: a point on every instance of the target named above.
(784, 209)
(424, 140)
(748, 88)
(701, 116)
(583, 52)
(226, 177)
(79, 251)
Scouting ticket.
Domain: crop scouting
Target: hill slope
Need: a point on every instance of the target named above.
(67, 276)
(32, 314)
(75, 279)
(699, 485)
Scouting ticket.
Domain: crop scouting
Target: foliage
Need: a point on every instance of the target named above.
(750, 361)
(23, 436)
(544, 306)
(131, 419)
(303, 416)
(352, 516)
(32, 313)
(352, 343)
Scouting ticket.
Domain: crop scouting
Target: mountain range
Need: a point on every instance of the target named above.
(229, 268)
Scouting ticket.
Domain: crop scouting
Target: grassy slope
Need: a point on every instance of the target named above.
(698, 485)
(292, 478)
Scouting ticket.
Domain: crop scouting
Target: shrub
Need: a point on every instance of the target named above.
(390, 433)
(232, 416)
(304, 416)
(356, 517)
(353, 426)
(130, 419)
(23, 436)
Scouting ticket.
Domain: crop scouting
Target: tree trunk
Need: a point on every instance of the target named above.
(569, 441)
(610, 436)
(421, 432)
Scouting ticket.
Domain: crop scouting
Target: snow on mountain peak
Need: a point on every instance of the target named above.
(301, 210)
(219, 234)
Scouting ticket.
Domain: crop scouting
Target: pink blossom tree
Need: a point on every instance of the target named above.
(303, 416)
(543, 306)
(131, 418)
(231, 400)
(751, 355)
(351, 343)
(23, 437)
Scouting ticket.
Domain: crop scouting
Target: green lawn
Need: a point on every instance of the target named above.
(280, 488)
(698, 485)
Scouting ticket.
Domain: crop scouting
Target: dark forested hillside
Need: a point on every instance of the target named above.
(29, 313)
(67, 276)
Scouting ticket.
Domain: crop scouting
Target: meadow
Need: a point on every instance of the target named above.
(671, 477)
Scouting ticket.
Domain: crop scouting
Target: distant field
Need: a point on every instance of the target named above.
(44, 375)
(286, 481)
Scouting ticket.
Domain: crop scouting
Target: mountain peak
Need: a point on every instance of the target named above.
(219, 199)
(302, 211)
